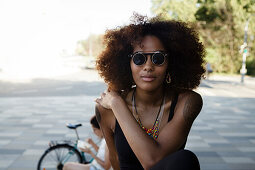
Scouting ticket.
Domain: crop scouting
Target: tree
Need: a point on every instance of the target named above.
(174, 9)
(221, 26)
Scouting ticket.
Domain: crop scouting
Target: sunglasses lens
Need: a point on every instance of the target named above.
(139, 59)
(158, 58)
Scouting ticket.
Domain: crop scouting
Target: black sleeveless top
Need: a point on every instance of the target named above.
(127, 158)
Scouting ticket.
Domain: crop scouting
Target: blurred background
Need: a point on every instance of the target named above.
(48, 78)
(46, 38)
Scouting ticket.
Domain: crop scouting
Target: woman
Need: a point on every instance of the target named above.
(101, 159)
(151, 67)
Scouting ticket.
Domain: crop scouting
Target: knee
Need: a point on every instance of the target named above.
(189, 158)
(187, 154)
(68, 166)
(182, 159)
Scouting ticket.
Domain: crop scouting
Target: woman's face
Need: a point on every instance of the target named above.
(149, 76)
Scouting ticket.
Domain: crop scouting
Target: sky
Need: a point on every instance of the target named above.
(33, 33)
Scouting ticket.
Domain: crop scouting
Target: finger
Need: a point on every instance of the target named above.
(98, 100)
(102, 96)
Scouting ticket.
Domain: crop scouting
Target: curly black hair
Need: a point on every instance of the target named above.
(181, 42)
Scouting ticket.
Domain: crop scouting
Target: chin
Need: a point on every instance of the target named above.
(149, 87)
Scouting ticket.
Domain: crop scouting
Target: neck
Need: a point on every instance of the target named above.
(149, 97)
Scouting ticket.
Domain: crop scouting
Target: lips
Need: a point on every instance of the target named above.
(148, 78)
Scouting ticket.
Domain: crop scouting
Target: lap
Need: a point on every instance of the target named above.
(182, 159)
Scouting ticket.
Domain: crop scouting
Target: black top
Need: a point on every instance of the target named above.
(127, 158)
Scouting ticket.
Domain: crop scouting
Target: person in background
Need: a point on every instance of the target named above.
(101, 159)
(151, 67)
(209, 70)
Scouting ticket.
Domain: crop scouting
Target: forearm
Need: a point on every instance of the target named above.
(95, 146)
(114, 162)
(99, 161)
(138, 140)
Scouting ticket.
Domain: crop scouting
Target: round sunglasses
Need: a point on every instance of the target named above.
(158, 57)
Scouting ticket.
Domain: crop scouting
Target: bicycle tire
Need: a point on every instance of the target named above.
(53, 157)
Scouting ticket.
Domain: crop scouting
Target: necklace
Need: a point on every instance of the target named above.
(154, 131)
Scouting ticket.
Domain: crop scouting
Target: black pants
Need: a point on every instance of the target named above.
(180, 160)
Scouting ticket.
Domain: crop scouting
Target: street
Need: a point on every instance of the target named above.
(33, 113)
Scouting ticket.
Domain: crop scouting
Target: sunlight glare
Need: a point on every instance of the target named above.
(37, 36)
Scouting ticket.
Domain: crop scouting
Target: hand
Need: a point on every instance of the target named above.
(90, 141)
(107, 98)
(87, 150)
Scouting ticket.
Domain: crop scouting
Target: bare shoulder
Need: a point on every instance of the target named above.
(105, 117)
(191, 104)
(189, 94)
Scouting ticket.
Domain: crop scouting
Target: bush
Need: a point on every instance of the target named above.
(250, 65)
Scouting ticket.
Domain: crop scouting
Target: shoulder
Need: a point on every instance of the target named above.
(105, 117)
(190, 104)
(190, 95)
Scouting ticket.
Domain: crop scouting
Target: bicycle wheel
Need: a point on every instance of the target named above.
(56, 156)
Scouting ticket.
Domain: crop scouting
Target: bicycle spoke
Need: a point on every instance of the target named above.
(65, 153)
(58, 156)
(53, 157)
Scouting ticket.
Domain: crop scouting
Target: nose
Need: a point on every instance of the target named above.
(148, 65)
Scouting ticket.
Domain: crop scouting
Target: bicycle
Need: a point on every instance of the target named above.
(60, 152)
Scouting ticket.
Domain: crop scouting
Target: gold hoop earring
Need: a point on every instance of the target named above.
(168, 78)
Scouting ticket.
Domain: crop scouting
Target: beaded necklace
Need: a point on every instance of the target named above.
(154, 131)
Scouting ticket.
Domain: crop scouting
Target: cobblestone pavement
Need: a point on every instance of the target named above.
(223, 135)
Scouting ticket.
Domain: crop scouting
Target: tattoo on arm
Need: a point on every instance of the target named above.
(98, 116)
(192, 108)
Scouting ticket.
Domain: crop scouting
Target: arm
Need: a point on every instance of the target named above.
(106, 121)
(171, 137)
(92, 143)
(107, 159)
(106, 163)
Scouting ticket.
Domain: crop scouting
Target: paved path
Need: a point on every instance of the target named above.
(223, 135)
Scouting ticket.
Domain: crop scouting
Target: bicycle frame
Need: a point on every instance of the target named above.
(70, 153)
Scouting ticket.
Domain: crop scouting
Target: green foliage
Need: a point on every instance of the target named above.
(175, 9)
(221, 26)
(206, 14)
(212, 56)
(250, 65)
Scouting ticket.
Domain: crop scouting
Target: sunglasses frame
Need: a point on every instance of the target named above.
(151, 54)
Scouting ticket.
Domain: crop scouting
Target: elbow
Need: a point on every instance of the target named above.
(147, 167)
(148, 164)
(152, 158)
